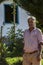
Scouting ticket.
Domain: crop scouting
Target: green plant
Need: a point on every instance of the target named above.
(18, 63)
(3, 51)
(16, 42)
(14, 60)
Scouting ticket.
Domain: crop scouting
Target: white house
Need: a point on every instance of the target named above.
(22, 18)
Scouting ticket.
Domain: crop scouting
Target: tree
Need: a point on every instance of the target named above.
(16, 42)
(35, 7)
(1, 1)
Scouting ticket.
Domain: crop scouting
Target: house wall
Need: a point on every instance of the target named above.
(22, 19)
(23, 24)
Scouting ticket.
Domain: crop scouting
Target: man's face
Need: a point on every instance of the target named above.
(31, 23)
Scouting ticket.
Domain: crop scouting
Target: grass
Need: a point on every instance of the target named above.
(16, 59)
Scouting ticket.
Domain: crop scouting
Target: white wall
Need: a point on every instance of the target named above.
(22, 19)
(5, 27)
(1, 14)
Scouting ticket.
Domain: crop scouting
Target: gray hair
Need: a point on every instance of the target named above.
(31, 17)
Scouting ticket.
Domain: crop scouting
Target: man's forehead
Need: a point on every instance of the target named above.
(30, 20)
(31, 17)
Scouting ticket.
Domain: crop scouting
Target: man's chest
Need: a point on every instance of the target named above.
(31, 36)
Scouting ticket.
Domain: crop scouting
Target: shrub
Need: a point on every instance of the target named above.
(14, 60)
(18, 63)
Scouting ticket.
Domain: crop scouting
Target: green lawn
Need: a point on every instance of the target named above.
(17, 59)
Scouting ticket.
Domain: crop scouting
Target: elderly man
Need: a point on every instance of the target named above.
(32, 43)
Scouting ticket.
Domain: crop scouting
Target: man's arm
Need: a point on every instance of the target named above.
(40, 39)
(39, 46)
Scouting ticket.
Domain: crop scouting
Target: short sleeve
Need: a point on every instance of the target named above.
(39, 35)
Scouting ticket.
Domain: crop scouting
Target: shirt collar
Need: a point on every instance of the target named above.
(33, 29)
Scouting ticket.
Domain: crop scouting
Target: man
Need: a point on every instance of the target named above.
(32, 43)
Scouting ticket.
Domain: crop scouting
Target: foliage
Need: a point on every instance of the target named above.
(35, 7)
(41, 61)
(3, 49)
(1, 1)
(17, 60)
(14, 61)
(39, 25)
(15, 42)
(3, 61)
